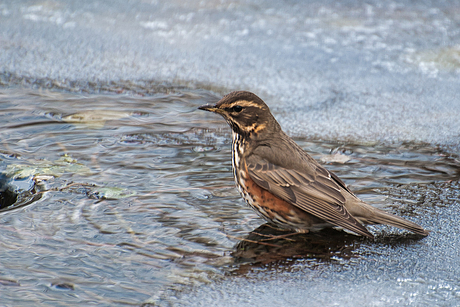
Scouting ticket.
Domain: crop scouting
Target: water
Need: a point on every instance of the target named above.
(350, 70)
(122, 192)
(137, 199)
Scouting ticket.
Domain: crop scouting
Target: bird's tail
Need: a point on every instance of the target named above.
(382, 217)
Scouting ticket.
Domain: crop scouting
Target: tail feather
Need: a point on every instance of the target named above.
(382, 217)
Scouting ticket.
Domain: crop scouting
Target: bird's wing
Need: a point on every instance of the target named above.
(318, 193)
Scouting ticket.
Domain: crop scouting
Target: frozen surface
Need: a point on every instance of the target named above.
(359, 71)
(132, 201)
(388, 273)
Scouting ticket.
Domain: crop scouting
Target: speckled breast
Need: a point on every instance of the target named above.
(268, 206)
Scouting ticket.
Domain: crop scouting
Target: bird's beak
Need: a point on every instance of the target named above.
(210, 108)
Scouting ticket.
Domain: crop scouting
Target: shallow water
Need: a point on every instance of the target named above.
(137, 201)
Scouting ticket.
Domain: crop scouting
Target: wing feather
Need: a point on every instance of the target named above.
(320, 195)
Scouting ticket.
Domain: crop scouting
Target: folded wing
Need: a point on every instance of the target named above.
(317, 193)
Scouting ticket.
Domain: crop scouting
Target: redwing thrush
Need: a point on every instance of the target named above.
(282, 183)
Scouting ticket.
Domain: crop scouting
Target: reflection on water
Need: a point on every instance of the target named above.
(266, 245)
(136, 195)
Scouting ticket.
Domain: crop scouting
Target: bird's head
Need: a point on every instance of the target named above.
(245, 112)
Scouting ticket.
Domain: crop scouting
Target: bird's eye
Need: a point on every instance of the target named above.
(237, 109)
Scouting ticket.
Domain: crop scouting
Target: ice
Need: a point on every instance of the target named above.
(348, 71)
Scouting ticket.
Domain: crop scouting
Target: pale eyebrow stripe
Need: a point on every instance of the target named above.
(245, 103)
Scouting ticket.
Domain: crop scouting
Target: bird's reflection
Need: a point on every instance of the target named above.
(267, 244)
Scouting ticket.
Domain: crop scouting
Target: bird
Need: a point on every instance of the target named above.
(283, 183)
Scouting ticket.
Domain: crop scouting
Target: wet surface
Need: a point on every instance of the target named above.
(115, 190)
(355, 71)
(136, 199)
(393, 271)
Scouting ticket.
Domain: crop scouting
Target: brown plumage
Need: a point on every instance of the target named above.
(282, 183)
